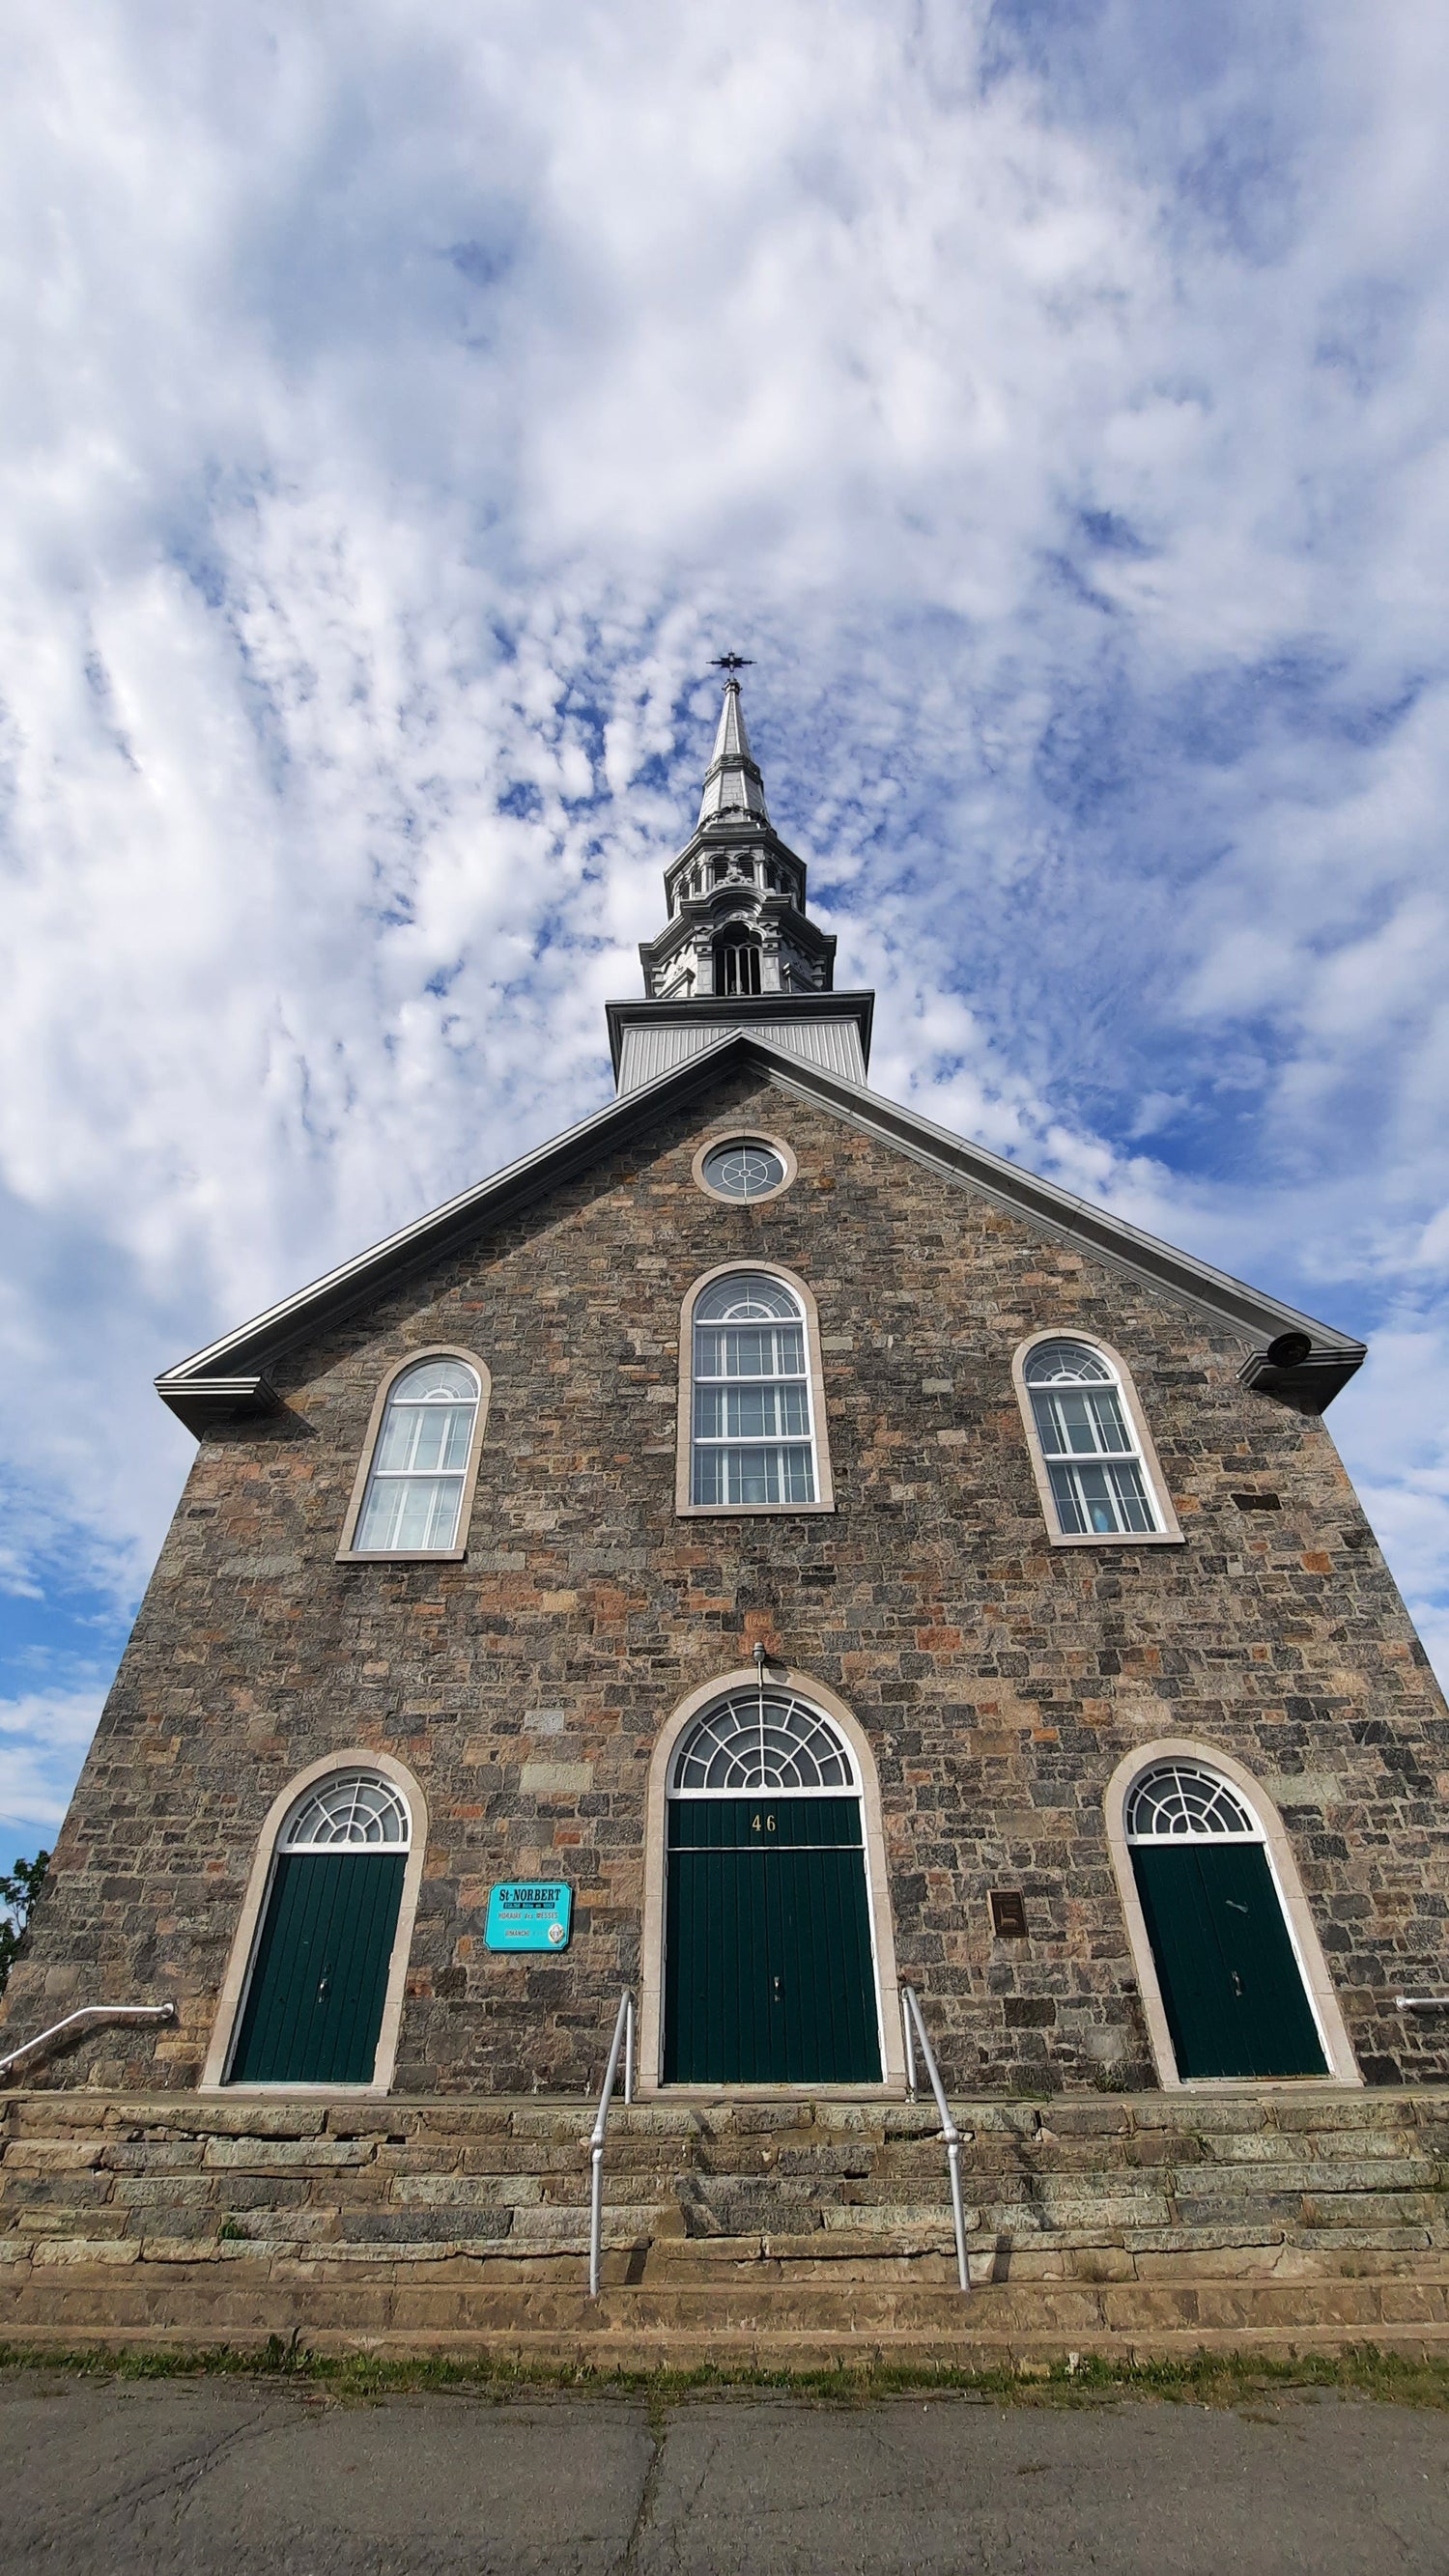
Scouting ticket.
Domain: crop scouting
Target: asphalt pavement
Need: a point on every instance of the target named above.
(177, 2476)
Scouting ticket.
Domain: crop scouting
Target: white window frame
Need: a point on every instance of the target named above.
(270, 1843)
(684, 1504)
(1168, 1532)
(775, 1145)
(348, 1553)
(1283, 1870)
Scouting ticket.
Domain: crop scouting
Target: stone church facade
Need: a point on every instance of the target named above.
(759, 1459)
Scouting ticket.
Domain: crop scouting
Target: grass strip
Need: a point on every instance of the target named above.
(1206, 2379)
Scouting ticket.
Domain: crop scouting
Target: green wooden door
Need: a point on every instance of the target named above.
(768, 1976)
(1231, 1985)
(314, 2007)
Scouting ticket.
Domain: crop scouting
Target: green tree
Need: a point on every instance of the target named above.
(19, 1889)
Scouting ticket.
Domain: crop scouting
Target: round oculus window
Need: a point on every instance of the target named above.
(743, 1169)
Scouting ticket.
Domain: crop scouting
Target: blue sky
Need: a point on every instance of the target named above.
(404, 405)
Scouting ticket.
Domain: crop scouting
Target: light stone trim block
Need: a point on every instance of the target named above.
(239, 1964)
(1302, 1933)
(556, 1779)
(877, 1886)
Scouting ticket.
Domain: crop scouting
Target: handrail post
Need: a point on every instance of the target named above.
(596, 2216)
(910, 2048)
(623, 2038)
(950, 2134)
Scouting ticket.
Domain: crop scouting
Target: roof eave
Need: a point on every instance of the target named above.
(208, 1387)
(1312, 1385)
(204, 1402)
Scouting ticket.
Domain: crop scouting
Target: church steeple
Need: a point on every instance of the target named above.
(738, 946)
(736, 895)
(733, 783)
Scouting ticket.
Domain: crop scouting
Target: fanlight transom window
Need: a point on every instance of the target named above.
(762, 1740)
(1092, 1456)
(355, 1811)
(752, 1434)
(1183, 1802)
(419, 1466)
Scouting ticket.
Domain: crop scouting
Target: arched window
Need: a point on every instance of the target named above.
(319, 1977)
(1182, 1801)
(417, 1479)
(736, 961)
(1093, 1458)
(752, 1417)
(358, 1810)
(765, 1739)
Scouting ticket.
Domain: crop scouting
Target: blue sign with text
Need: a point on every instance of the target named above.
(529, 1916)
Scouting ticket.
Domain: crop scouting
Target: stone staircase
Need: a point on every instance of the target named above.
(763, 2233)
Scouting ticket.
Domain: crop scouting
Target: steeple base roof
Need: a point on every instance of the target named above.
(830, 1030)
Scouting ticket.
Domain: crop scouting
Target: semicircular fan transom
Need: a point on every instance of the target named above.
(1067, 1364)
(1183, 1801)
(442, 1381)
(761, 1741)
(746, 1296)
(354, 1812)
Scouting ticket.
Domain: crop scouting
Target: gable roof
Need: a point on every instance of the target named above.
(1297, 1359)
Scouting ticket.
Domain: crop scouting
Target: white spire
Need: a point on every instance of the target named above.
(733, 784)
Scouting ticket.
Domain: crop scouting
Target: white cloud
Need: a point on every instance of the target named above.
(405, 405)
(43, 1738)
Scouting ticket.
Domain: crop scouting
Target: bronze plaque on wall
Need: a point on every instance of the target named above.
(1008, 1913)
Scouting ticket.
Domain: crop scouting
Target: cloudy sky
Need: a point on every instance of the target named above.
(403, 403)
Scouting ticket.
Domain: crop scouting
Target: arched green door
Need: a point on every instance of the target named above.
(769, 1974)
(314, 2008)
(314, 2003)
(1231, 1985)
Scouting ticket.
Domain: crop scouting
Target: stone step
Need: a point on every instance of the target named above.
(692, 2322)
(739, 2228)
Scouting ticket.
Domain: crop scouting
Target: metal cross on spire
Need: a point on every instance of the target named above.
(732, 662)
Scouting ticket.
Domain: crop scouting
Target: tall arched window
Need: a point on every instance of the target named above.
(318, 1980)
(1094, 1461)
(752, 1425)
(736, 961)
(417, 1479)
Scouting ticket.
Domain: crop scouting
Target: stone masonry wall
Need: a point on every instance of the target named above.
(999, 1680)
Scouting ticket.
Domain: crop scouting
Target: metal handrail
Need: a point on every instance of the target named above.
(1421, 2003)
(623, 2038)
(951, 2135)
(91, 2016)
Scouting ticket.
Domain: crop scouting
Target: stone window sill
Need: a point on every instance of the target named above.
(400, 1555)
(1117, 1538)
